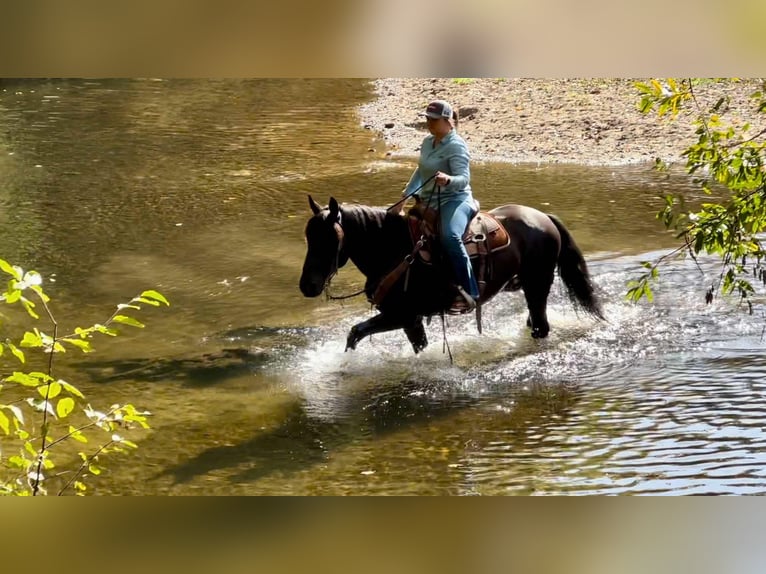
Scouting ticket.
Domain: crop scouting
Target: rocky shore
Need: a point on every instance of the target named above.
(584, 121)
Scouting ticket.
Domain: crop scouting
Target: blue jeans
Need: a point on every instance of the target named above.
(455, 215)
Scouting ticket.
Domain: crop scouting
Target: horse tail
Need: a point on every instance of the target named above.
(574, 272)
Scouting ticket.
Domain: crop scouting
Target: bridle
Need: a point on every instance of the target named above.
(341, 235)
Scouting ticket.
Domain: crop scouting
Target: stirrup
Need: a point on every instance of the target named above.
(470, 303)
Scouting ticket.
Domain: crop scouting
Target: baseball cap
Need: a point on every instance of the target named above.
(438, 109)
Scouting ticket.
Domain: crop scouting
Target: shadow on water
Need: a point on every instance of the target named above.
(257, 347)
(205, 370)
(302, 441)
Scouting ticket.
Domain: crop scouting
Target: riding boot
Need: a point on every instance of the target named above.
(464, 305)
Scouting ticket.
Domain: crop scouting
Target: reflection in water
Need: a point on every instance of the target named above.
(198, 189)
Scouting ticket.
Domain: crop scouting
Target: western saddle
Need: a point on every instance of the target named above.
(484, 236)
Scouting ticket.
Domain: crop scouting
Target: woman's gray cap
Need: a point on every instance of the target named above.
(438, 109)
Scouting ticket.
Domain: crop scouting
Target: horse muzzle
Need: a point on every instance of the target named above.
(311, 288)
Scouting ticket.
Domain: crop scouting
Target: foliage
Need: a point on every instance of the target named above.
(725, 157)
(46, 413)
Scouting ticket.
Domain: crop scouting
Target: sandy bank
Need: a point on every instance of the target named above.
(586, 121)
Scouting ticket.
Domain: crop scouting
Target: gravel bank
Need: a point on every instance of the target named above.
(584, 121)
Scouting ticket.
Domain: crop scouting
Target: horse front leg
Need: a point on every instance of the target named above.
(416, 333)
(378, 324)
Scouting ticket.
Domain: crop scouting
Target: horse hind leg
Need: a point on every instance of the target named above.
(536, 294)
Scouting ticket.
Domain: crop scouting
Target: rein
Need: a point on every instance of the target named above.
(340, 297)
(409, 195)
(408, 260)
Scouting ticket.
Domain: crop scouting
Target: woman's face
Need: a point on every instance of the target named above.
(438, 126)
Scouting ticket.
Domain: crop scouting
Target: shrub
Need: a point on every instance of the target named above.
(40, 414)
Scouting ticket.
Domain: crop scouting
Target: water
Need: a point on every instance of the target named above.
(198, 189)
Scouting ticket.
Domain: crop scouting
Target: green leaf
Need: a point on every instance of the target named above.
(645, 105)
(29, 306)
(151, 302)
(64, 407)
(124, 319)
(94, 469)
(103, 329)
(12, 295)
(152, 294)
(32, 379)
(19, 462)
(32, 339)
(648, 293)
(5, 423)
(39, 290)
(77, 435)
(11, 270)
(50, 391)
(83, 333)
(85, 346)
(71, 389)
(30, 449)
(18, 353)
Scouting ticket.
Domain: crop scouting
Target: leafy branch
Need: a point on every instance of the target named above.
(728, 158)
(31, 463)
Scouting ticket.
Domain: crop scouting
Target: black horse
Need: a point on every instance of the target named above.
(377, 241)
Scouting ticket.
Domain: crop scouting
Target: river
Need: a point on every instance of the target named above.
(198, 188)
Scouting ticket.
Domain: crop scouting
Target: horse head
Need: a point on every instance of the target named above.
(325, 252)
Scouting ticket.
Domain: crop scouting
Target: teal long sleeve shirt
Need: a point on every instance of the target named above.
(451, 156)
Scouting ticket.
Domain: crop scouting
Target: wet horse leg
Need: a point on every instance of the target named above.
(536, 293)
(382, 323)
(416, 333)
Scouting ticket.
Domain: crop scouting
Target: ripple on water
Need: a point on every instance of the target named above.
(665, 398)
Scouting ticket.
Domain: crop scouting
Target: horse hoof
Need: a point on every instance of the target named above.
(352, 340)
(539, 333)
(419, 347)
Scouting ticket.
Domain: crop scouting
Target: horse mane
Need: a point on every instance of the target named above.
(364, 215)
(380, 239)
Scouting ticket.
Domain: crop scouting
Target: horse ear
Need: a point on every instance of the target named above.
(334, 208)
(313, 204)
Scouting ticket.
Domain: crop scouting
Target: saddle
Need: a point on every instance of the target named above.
(484, 234)
(483, 237)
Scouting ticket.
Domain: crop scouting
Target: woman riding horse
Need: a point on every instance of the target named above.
(378, 241)
(444, 158)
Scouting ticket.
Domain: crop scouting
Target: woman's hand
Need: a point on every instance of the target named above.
(442, 178)
(398, 207)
